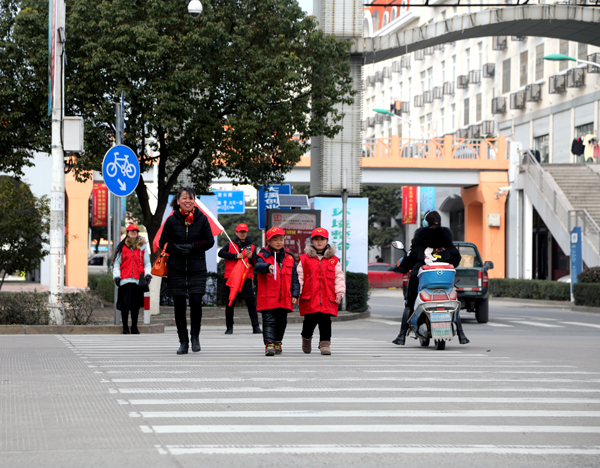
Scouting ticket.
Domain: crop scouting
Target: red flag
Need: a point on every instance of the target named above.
(215, 226)
(236, 279)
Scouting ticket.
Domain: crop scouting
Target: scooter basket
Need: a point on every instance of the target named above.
(440, 279)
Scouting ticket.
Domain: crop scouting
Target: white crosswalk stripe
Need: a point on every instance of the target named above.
(223, 400)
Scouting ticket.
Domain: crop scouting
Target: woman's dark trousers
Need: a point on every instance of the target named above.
(195, 316)
(310, 323)
(274, 323)
(134, 320)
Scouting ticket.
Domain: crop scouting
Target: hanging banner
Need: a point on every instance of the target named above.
(409, 205)
(427, 200)
(51, 52)
(99, 205)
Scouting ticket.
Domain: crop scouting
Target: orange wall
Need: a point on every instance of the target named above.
(78, 197)
(479, 202)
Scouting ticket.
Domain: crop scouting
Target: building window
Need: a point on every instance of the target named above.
(542, 144)
(442, 118)
(583, 130)
(523, 69)
(376, 21)
(454, 68)
(453, 108)
(480, 53)
(478, 107)
(506, 76)
(422, 123)
(394, 13)
(423, 82)
(400, 130)
(563, 48)
(539, 62)
(582, 51)
(468, 60)
(466, 122)
(430, 79)
(385, 19)
(443, 71)
(429, 121)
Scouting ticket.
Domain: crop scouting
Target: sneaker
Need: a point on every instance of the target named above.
(277, 346)
(269, 349)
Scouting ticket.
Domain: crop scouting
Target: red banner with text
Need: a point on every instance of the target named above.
(409, 205)
(99, 205)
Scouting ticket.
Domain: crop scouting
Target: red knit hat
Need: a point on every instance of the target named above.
(133, 227)
(276, 231)
(320, 232)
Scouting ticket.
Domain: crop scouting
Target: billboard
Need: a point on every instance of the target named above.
(297, 224)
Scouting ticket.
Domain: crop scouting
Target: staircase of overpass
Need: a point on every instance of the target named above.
(565, 196)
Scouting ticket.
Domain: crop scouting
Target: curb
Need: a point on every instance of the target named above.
(556, 304)
(75, 329)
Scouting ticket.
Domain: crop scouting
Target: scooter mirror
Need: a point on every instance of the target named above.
(398, 245)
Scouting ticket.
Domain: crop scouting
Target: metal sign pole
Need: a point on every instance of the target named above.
(116, 205)
(344, 230)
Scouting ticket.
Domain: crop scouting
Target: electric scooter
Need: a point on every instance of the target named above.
(436, 306)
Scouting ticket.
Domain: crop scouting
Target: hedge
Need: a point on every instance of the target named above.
(530, 289)
(103, 285)
(590, 275)
(587, 294)
(357, 292)
(24, 308)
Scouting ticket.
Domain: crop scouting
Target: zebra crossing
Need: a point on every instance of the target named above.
(370, 397)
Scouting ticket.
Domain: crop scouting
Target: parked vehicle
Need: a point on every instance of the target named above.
(472, 281)
(436, 306)
(98, 264)
(381, 275)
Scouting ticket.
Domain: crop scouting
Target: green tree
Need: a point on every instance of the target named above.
(222, 93)
(385, 204)
(24, 227)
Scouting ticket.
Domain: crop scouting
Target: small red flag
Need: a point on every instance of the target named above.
(236, 279)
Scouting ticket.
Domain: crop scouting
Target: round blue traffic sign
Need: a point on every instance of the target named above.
(121, 170)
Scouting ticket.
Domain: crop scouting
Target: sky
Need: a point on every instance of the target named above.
(306, 5)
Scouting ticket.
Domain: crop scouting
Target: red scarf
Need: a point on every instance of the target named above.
(189, 216)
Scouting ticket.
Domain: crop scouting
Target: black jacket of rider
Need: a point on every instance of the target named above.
(439, 239)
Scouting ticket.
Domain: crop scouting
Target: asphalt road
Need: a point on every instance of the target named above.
(524, 392)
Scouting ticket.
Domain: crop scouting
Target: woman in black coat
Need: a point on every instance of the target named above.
(439, 239)
(188, 235)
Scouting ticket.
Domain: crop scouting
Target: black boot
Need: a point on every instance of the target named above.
(184, 342)
(256, 329)
(229, 331)
(462, 338)
(195, 343)
(134, 321)
(401, 338)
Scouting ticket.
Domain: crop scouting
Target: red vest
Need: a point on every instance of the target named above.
(229, 264)
(132, 263)
(276, 293)
(318, 291)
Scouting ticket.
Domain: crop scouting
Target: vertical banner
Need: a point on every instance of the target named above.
(99, 205)
(357, 229)
(409, 205)
(427, 199)
(51, 52)
(576, 259)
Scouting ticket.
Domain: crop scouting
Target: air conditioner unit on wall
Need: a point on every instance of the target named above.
(533, 92)
(438, 92)
(405, 61)
(449, 88)
(418, 101)
(575, 77)
(419, 54)
(379, 76)
(405, 108)
(474, 131)
(428, 97)
(387, 73)
(439, 47)
(396, 68)
(462, 82)
(557, 84)
(499, 43)
(517, 100)
(428, 51)
(487, 127)
(518, 38)
(596, 59)
(474, 77)
(499, 105)
(489, 70)
(370, 81)
(370, 122)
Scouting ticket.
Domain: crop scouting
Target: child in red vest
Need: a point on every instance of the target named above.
(241, 247)
(278, 288)
(323, 286)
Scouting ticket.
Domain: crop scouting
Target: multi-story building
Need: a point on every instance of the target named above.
(482, 87)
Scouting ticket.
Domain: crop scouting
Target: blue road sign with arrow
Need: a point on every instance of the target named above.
(121, 170)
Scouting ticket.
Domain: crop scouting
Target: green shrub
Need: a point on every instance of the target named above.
(24, 308)
(103, 285)
(530, 289)
(587, 294)
(590, 275)
(80, 307)
(357, 292)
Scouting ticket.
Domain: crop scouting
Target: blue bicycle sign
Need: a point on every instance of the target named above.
(121, 170)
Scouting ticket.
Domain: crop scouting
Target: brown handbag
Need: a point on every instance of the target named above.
(160, 265)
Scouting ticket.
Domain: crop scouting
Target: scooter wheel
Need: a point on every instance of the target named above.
(440, 345)
(424, 341)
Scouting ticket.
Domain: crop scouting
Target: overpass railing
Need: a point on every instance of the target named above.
(434, 148)
(569, 218)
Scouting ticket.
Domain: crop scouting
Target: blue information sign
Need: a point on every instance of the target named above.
(121, 170)
(231, 201)
(267, 199)
(576, 260)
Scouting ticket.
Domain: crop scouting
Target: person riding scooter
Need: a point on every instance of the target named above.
(432, 242)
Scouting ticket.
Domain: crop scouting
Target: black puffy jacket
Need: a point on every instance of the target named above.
(438, 238)
(186, 274)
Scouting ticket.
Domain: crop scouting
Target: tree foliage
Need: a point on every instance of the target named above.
(237, 91)
(24, 227)
(385, 204)
(230, 222)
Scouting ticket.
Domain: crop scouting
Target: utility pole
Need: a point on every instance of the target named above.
(57, 191)
(116, 204)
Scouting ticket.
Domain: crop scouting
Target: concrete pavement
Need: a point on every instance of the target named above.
(525, 392)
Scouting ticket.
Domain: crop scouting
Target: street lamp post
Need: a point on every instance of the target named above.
(561, 57)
